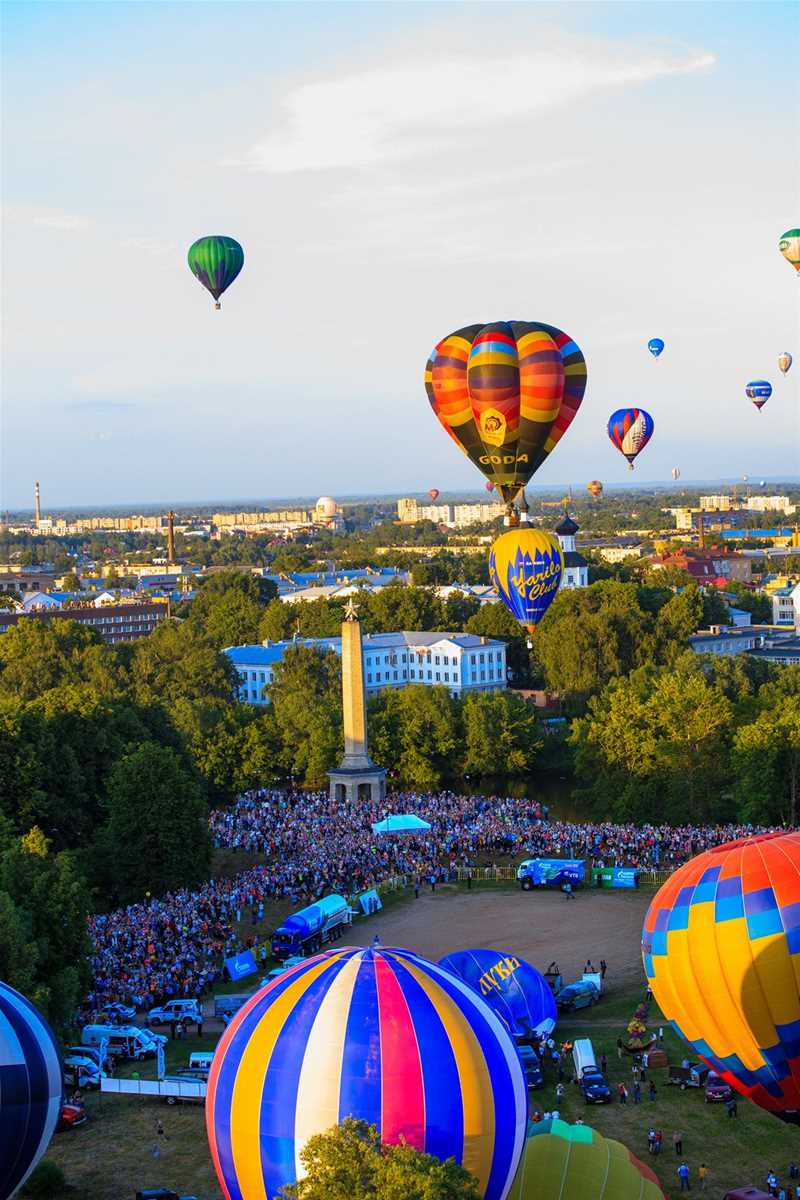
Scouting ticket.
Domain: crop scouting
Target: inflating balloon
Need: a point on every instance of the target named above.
(675, 473)
(574, 1162)
(30, 1088)
(216, 261)
(759, 391)
(506, 393)
(720, 947)
(525, 566)
(595, 488)
(655, 346)
(784, 362)
(433, 493)
(380, 1035)
(789, 246)
(630, 429)
(515, 990)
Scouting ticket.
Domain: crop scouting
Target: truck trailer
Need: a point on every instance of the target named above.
(306, 931)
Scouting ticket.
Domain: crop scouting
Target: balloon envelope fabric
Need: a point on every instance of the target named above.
(512, 987)
(721, 948)
(506, 393)
(630, 429)
(525, 566)
(573, 1162)
(216, 261)
(380, 1035)
(30, 1088)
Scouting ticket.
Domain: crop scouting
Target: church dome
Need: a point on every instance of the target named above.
(567, 528)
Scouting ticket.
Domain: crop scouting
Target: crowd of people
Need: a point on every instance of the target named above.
(174, 946)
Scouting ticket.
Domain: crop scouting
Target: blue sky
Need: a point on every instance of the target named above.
(394, 171)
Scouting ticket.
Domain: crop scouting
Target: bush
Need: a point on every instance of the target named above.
(46, 1181)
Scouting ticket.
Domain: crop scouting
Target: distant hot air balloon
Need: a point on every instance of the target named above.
(433, 493)
(216, 261)
(506, 393)
(595, 488)
(759, 391)
(675, 473)
(630, 429)
(525, 566)
(562, 1162)
(784, 362)
(30, 1088)
(489, 485)
(655, 346)
(720, 948)
(789, 246)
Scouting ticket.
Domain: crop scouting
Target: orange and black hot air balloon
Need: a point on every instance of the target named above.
(506, 393)
(433, 493)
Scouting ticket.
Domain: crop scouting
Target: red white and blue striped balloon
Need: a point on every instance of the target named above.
(381, 1035)
(30, 1088)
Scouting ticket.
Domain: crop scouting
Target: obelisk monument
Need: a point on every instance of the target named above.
(357, 777)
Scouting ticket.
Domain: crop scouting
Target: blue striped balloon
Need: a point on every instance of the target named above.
(380, 1035)
(30, 1088)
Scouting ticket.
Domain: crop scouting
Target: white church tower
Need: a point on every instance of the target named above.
(576, 569)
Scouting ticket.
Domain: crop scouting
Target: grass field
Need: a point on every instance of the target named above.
(113, 1155)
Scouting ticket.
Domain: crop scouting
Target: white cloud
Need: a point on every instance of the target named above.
(62, 222)
(407, 107)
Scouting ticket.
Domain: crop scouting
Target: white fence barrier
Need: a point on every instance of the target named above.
(184, 1089)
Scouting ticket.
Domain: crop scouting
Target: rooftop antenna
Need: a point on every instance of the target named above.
(37, 504)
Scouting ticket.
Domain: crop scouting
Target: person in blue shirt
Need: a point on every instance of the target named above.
(683, 1175)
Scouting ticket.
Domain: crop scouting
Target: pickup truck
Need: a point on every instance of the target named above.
(176, 1010)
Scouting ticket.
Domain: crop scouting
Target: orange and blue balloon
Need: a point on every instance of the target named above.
(30, 1088)
(381, 1035)
(526, 566)
(655, 346)
(630, 429)
(721, 948)
(759, 391)
(516, 991)
(506, 393)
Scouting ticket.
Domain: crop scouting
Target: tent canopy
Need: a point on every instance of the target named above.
(401, 823)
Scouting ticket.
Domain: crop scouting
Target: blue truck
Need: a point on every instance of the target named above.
(550, 872)
(305, 932)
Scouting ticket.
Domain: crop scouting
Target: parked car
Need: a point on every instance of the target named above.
(71, 1116)
(581, 994)
(594, 1088)
(717, 1091)
(93, 1052)
(116, 1014)
(175, 1010)
(291, 961)
(531, 1066)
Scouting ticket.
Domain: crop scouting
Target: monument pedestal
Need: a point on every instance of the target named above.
(367, 784)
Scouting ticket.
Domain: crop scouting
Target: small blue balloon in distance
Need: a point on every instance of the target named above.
(759, 391)
(516, 991)
(655, 346)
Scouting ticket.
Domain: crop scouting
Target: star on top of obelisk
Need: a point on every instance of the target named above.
(350, 611)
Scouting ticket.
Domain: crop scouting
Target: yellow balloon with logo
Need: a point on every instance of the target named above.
(526, 566)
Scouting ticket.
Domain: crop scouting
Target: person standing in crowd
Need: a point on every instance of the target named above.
(652, 1091)
(677, 1141)
(683, 1175)
(702, 1172)
(603, 968)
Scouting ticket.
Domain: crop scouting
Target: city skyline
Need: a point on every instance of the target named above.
(613, 156)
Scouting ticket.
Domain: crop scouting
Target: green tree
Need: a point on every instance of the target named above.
(38, 655)
(156, 837)
(175, 663)
(715, 610)
(349, 1163)
(501, 738)
(72, 582)
(306, 698)
(677, 620)
(45, 896)
(767, 764)
(428, 735)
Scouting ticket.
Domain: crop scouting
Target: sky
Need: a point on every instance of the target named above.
(393, 171)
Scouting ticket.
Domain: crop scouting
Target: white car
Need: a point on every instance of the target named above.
(175, 1010)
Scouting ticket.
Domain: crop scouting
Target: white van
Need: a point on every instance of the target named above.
(201, 1060)
(583, 1057)
(122, 1041)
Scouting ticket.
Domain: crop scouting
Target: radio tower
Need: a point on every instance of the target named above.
(37, 505)
(170, 538)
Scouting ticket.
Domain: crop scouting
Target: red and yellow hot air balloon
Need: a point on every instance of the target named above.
(506, 393)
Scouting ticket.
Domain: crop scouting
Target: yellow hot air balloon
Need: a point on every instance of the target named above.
(789, 246)
(784, 362)
(595, 488)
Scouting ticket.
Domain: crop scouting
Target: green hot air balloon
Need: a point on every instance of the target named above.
(561, 1161)
(216, 261)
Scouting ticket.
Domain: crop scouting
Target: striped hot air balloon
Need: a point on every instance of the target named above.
(759, 391)
(30, 1088)
(721, 948)
(789, 246)
(510, 985)
(381, 1035)
(562, 1162)
(506, 393)
(216, 261)
(630, 429)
